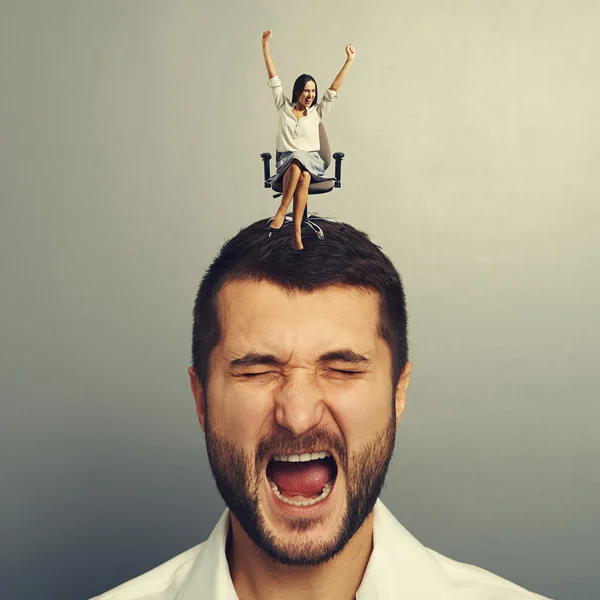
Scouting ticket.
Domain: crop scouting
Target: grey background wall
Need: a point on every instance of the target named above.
(130, 135)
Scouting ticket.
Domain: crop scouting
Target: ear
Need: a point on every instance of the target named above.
(400, 393)
(199, 396)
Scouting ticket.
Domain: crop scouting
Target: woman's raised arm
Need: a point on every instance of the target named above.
(266, 36)
(339, 78)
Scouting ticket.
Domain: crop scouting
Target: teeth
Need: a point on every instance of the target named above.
(301, 457)
(324, 494)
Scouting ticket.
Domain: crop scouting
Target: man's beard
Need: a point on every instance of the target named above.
(238, 477)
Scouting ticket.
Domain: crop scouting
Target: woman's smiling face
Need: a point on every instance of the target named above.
(307, 96)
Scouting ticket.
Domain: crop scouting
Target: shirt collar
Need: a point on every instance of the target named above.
(209, 575)
(399, 566)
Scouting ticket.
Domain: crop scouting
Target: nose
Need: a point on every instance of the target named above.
(299, 405)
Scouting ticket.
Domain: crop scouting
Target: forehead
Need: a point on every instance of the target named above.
(309, 85)
(260, 316)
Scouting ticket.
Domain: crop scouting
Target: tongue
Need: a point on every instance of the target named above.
(300, 478)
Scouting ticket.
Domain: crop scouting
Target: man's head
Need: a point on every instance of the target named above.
(300, 368)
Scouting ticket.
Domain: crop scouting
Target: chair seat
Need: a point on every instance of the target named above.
(319, 187)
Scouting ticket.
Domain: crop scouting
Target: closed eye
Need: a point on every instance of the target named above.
(251, 375)
(346, 372)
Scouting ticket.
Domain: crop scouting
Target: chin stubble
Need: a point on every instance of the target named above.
(238, 477)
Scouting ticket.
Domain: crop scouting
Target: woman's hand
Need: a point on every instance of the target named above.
(339, 78)
(266, 36)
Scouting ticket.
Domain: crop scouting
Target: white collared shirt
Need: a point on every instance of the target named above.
(298, 134)
(400, 568)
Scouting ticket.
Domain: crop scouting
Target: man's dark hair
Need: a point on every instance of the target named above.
(298, 88)
(345, 257)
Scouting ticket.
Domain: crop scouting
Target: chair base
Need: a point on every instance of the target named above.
(309, 221)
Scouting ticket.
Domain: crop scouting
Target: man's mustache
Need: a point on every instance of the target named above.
(284, 442)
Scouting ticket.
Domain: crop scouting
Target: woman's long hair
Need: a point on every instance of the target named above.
(299, 88)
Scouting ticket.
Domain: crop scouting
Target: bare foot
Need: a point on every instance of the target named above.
(277, 221)
(297, 242)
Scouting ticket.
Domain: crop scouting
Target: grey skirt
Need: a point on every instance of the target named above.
(311, 161)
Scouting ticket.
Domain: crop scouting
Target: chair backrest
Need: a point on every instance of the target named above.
(324, 150)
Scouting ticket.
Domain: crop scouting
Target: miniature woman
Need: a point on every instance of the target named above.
(298, 137)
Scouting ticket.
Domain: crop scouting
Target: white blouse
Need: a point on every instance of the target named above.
(298, 134)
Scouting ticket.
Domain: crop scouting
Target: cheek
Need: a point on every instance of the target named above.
(362, 411)
(238, 413)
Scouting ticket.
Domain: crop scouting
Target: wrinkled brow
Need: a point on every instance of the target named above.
(256, 358)
(345, 355)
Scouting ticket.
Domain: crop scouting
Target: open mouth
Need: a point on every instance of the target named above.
(302, 479)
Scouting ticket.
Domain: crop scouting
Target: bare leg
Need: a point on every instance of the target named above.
(300, 200)
(290, 181)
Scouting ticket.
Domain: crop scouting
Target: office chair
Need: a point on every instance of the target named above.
(320, 187)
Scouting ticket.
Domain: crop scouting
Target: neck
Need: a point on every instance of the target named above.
(257, 577)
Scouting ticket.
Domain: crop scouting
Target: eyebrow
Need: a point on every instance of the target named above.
(256, 358)
(345, 355)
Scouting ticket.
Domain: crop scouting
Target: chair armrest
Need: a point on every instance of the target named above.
(338, 157)
(266, 157)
